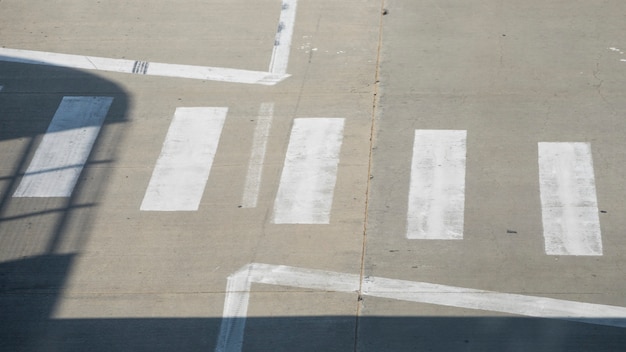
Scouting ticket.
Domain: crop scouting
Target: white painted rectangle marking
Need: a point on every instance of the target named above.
(64, 149)
(569, 208)
(183, 168)
(257, 156)
(437, 188)
(307, 184)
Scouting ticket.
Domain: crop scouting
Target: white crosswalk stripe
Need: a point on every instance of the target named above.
(571, 224)
(64, 149)
(182, 170)
(437, 187)
(305, 193)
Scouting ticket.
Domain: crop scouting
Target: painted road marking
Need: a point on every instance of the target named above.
(183, 168)
(64, 149)
(232, 328)
(437, 187)
(284, 35)
(307, 184)
(140, 67)
(571, 224)
(277, 69)
(257, 156)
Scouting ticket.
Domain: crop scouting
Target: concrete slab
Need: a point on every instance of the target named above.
(94, 272)
(511, 75)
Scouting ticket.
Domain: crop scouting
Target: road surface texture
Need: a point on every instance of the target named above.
(280, 175)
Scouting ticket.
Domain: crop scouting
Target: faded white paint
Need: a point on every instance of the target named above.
(571, 223)
(257, 156)
(231, 334)
(183, 168)
(305, 192)
(140, 67)
(437, 188)
(283, 39)
(64, 149)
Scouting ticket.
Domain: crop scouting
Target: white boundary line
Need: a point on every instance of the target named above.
(139, 67)
(284, 35)
(257, 156)
(277, 70)
(232, 328)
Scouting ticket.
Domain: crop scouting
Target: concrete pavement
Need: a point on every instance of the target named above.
(94, 271)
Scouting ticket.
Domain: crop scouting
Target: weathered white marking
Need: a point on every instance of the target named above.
(64, 149)
(284, 34)
(231, 334)
(140, 67)
(257, 156)
(571, 224)
(232, 328)
(183, 168)
(305, 193)
(235, 311)
(1, 88)
(437, 188)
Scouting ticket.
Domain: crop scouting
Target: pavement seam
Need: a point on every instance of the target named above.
(375, 100)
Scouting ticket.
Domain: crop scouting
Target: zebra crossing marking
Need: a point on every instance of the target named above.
(65, 148)
(437, 188)
(307, 183)
(182, 170)
(569, 208)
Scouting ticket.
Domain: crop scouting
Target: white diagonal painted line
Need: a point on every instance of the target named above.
(64, 149)
(571, 223)
(237, 298)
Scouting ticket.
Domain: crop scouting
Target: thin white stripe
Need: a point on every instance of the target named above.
(64, 149)
(437, 187)
(571, 224)
(284, 34)
(239, 284)
(147, 68)
(305, 193)
(183, 168)
(257, 156)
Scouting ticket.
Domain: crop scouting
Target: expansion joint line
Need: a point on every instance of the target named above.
(375, 102)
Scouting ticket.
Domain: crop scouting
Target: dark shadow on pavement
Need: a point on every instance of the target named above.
(40, 236)
(325, 333)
